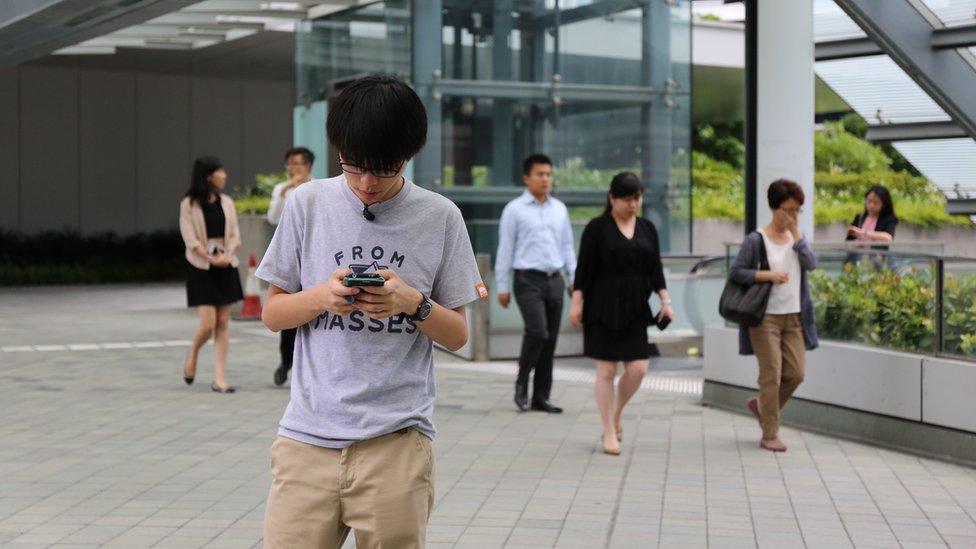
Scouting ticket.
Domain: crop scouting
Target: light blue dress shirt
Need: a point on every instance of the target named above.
(534, 235)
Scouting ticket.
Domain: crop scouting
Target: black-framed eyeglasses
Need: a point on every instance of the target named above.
(353, 169)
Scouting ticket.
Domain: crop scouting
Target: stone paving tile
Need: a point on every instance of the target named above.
(109, 448)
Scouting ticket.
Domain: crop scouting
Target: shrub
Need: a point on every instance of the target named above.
(836, 150)
(870, 303)
(876, 305)
(252, 205)
(70, 258)
(959, 311)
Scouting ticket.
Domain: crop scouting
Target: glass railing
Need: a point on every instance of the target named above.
(894, 297)
(694, 281)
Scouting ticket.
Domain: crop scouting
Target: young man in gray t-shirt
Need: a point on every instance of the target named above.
(354, 445)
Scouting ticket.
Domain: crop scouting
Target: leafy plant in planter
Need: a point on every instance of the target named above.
(959, 311)
(876, 305)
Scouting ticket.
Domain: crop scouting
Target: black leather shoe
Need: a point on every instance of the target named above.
(280, 375)
(227, 391)
(522, 397)
(547, 407)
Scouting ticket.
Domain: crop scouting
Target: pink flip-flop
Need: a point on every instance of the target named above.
(768, 446)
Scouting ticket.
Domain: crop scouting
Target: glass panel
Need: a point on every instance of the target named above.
(487, 40)
(876, 298)
(959, 308)
(586, 56)
(953, 12)
(375, 38)
(831, 23)
(949, 163)
(879, 90)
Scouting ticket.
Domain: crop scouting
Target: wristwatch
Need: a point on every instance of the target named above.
(423, 311)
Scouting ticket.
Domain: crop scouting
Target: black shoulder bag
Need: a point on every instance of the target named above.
(746, 305)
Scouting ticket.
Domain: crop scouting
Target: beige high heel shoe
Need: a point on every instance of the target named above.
(609, 450)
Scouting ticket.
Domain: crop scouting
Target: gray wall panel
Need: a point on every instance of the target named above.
(162, 149)
(49, 149)
(267, 123)
(9, 150)
(107, 145)
(215, 124)
(98, 151)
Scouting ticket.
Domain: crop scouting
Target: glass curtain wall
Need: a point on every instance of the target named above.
(599, 86)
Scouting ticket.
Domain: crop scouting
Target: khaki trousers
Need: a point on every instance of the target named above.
(778, 344)
(382, 489)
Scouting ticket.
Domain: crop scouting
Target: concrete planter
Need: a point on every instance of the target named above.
(912, 402)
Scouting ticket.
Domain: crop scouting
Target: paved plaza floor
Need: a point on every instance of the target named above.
(101, 444)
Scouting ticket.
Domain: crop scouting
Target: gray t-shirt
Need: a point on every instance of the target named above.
(355, 378)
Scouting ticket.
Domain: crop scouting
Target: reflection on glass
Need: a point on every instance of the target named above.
(959, 308)
(330, 50)
(880, 300)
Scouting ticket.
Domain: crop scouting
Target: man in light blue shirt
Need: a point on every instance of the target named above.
(535, 240)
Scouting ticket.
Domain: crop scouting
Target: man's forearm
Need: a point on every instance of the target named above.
(284, 311)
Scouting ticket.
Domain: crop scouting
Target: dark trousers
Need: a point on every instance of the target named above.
(540, 300)
(287, 347)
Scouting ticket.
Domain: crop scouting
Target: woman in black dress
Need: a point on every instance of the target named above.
(619, 268)
(208, 223)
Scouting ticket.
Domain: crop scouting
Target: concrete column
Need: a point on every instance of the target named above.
(656, 118)
(783, 107)
(426, 60)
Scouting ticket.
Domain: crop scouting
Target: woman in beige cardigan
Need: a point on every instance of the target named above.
(208, 223)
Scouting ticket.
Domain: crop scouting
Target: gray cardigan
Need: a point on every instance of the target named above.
(744, 269)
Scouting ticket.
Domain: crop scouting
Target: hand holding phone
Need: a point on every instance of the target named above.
(662, 320)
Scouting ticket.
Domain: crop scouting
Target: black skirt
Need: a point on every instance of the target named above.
(628, 343)
(216, 286)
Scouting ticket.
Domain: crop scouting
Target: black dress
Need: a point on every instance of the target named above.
(617, 276)
(216, 285)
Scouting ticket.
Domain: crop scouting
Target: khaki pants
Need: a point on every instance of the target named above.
(778, 344)
(382, 489)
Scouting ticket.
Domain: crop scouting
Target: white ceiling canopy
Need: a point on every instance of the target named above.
(207, 23)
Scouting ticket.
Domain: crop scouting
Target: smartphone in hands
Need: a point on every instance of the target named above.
(662, 321)
(362, 279)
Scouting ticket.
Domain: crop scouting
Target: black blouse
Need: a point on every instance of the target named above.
(885, 224)
(617, 275)
(213, 218)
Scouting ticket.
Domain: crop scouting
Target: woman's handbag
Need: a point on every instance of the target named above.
(746, 305)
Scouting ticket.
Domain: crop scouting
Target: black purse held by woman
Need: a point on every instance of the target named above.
(746, 305)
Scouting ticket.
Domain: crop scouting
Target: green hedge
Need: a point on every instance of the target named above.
(70, 258)
(871, 304)
(720, 194)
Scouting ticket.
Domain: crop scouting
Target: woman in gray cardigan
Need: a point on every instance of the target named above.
(788, 329)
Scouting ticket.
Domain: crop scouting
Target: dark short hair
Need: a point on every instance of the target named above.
(532, 161)
(307, 156)
(377, 122)
(624, 185)
(782, 190)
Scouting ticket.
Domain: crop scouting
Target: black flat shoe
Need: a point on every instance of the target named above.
(547, 407)
(227, 391)
(186, 378)
(280, 375)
